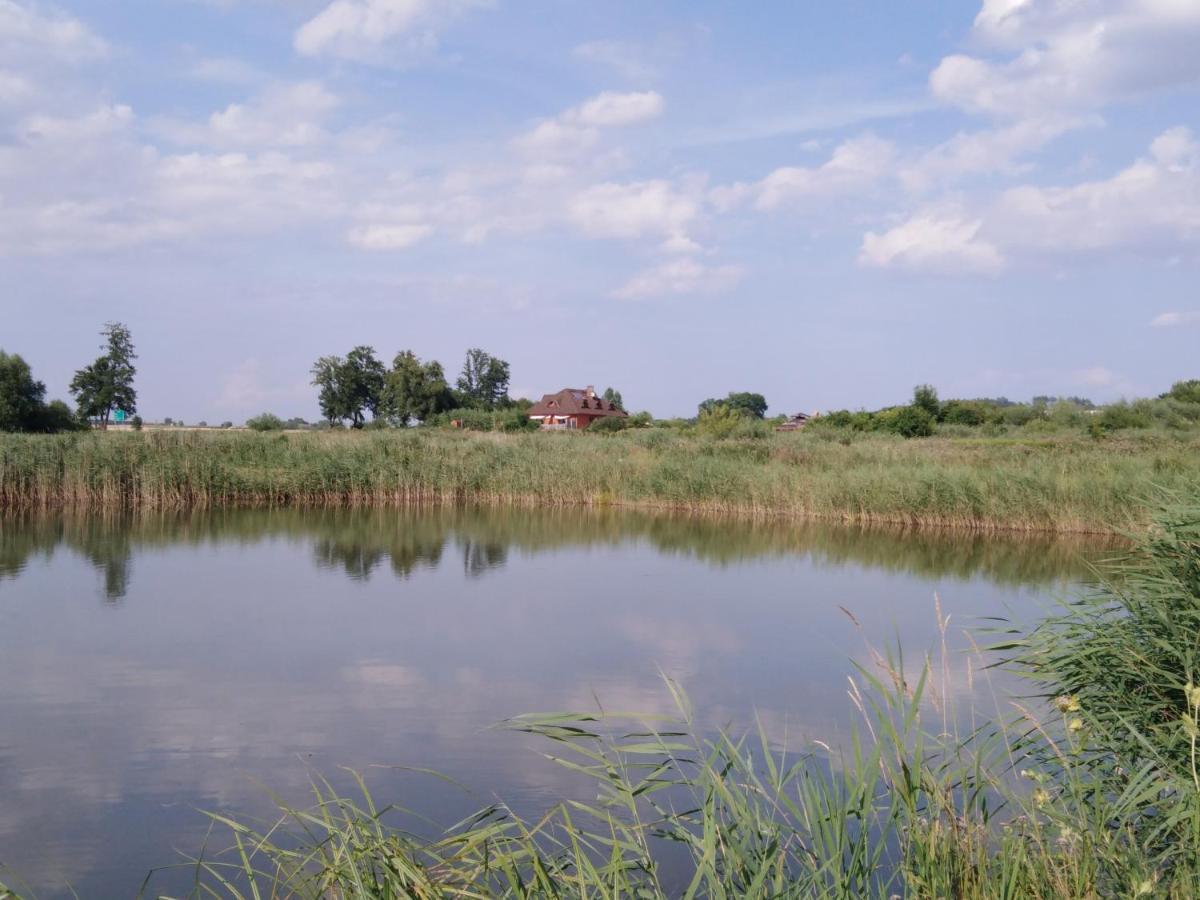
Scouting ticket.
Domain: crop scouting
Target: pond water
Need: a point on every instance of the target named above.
(156, 666)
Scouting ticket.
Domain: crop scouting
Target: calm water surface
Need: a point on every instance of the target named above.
(153, 667)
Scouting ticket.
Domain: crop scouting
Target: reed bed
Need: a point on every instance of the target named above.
(1086, 788)
(1069, 484)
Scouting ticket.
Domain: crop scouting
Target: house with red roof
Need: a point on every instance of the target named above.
(572, 408)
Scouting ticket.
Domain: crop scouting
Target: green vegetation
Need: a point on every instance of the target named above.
(1088, 790)
(22, 401)
(1053, 483)
(265, 422)
(105, 386)
(747, 404)
(1176, 410)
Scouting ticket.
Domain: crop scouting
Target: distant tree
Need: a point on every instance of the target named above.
(925, 397)
(326, 373)
(414, 390)
(167, 420)
(107, 384)
(484, 381)
(614, 397)
(350, 387)
(226, 424)
(265, 422)
(20, 395)
(743, 402)
(137, 423)
(1184, 391)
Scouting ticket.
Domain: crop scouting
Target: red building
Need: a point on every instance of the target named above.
(571, 408)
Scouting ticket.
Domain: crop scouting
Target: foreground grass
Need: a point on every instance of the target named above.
(1061, 484)
(1090, 791)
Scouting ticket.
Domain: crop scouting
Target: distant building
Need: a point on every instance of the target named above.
(794, 423)
(571, 408)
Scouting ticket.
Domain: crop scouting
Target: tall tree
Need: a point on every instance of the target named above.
(484, 380)
(414, 390)
(350, 387)
(614, 397)
(20, 395)
(325, 373)
(107, 384)
(925, 397)
(743, 402)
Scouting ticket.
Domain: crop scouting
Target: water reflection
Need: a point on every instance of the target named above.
(360, 542)
(248, 645)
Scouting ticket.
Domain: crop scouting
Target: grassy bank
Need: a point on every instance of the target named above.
(1062, 484)
(1086, 788)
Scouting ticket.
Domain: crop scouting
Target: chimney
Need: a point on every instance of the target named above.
(591, 390)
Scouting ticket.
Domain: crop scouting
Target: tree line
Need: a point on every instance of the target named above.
(100, 389)
(359, 383)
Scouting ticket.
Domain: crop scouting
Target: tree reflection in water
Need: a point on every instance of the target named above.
(358, 542)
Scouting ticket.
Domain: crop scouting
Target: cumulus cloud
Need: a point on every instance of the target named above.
(936, 240)
(682, 275)
(854, 164)
(280, 115)
(1152, 207)
(1176, 319)
(633, 210)
(33, 33)
(389, 237)
(368, 30)
(1071, 54)
(578, 129)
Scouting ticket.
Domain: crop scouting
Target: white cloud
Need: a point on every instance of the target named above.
(14, 88)
(938, 240)
(371, 30)
(854, 164)
(33, 33)
(280, 116)
(680, 276)
(987, 152)
(634, 210)
(389, 237)
(1072, 54)
(1152, 207)
(1176, 319)
(610, 109)
(578, 129)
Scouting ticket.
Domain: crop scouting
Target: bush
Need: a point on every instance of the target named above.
(1123, 415)
(964, 412)
(264, 422)
(609, 425)
(486, 419)
(906, 421)
(719, 421)
(137, 423)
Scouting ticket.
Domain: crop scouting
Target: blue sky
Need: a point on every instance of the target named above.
(825, 203)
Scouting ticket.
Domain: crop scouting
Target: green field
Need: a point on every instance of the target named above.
(1063, 483)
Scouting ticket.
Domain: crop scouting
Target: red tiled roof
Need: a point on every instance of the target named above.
(574, 402)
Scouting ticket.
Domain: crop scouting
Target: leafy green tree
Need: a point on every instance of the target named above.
(925, 397)
(20, 395)
(265, 422)
(107, 384)
(743, 402)
(350, 387)
(414, 390)
(484, 381)
(1184, 391)
(614, 397)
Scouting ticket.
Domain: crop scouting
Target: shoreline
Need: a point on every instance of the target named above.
(1068, 486)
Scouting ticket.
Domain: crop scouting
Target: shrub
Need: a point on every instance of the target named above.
(964, 412)
(609, 425)
(136, 422)
(719, 421)
(906, 421)
(264, 422)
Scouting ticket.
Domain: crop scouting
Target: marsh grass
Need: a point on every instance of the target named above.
(1069, 484)
(1085, 788)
